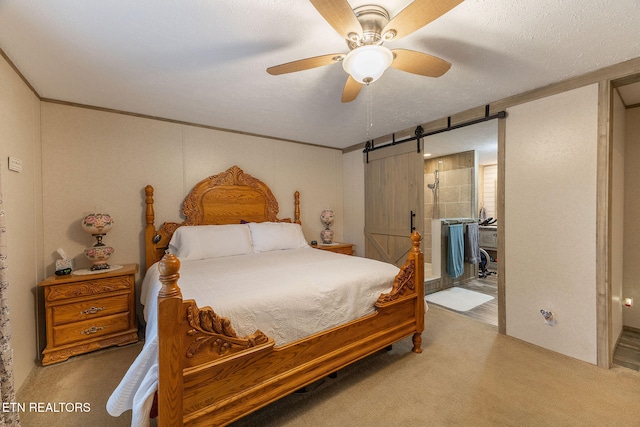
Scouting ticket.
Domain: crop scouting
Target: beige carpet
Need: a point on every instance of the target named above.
(468, 375)
(88, 379)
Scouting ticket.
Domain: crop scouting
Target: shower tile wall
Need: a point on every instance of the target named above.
(455, 195)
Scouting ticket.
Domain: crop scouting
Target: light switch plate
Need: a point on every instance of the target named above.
(15, 164)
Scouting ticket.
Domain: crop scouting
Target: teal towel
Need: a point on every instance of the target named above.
(455, 253)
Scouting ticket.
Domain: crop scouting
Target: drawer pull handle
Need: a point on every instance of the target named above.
(92, 310)
(92, 330)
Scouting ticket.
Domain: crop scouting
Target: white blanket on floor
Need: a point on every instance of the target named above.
(288, 295)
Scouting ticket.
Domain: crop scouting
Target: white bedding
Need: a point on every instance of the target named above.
(287, 294)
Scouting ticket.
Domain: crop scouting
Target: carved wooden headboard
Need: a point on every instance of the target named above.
(229, 197)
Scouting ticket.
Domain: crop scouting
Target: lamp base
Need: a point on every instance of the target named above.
(96, 267)
(327, 236)
(99, 255)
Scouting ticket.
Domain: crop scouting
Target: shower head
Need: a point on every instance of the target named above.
(432, 186)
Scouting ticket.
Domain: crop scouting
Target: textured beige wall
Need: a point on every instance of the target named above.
(95, 160)
(353, 182)
(550, 221)
(631, 224)
(22, 194)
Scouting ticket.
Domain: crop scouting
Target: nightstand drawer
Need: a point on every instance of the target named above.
(89, 329)
(88, 288)
(85, 310)
(347, 250)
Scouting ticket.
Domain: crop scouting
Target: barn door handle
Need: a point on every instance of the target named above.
(413, 215)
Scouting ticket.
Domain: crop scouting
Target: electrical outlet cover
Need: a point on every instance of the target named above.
(15, 164)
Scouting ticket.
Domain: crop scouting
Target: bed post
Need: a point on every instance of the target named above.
(170, 369)
(296, 202)
(150, 229)
(418, 258)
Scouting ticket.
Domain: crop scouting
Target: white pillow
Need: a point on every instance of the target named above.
(273, 236)
(210, 241)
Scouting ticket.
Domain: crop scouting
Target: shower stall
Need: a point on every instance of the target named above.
(450, 192)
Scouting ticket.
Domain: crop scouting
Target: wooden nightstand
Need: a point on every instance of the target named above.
(339, 248)
(89, 312)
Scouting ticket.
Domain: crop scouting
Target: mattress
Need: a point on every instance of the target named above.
(287, 294)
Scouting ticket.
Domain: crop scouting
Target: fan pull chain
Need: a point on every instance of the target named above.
(369, 110)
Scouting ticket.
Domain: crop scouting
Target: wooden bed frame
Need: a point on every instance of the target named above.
(210, 376)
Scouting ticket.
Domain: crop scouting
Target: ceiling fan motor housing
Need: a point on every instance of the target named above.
(373, 19)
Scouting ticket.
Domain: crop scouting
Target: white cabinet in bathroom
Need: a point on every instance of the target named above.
(488, 237)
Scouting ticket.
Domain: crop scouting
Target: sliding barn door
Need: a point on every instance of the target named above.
(394, 194)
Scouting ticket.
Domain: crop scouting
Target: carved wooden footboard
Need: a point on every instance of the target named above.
(210, 376)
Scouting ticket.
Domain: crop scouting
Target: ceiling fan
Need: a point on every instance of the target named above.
(365, 29)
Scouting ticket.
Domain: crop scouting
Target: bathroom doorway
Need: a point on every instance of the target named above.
(461, 186)
(624, 290)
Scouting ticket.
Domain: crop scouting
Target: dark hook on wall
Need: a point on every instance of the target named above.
(418, 132)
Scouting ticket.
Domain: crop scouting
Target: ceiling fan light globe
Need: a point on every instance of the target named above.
(366, 64)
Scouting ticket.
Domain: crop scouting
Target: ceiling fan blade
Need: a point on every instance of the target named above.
(305, 64)
(351, 90)
(418, 14)
(419, 63)
(339, 14)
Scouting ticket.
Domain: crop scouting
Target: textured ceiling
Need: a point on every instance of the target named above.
(204, 61)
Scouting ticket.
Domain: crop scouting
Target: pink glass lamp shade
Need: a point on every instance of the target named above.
(97, 224)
